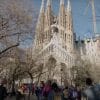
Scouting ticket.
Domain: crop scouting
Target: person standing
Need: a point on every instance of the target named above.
(19, 94)
(65, 94)
(47, 91)
(79, 96)
(56, 91)
(37, 92)
(92, 92)
(73, 93)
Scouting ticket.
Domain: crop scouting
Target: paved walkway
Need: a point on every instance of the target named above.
(32, 97)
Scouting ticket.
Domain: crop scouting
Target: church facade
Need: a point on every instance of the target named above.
(55, 42)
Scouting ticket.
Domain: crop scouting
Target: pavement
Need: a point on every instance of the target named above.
(32, 97)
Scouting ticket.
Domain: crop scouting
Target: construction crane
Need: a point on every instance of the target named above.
(91, 2)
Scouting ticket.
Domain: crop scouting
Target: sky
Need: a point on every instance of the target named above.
(82, 23)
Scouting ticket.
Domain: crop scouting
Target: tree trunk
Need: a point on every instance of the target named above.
(39, 78)
(13, 85)
(30, 87)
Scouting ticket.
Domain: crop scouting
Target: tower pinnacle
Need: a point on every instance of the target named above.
(48, 2)
(61, 2)
(68, 6)
(42, 6)
(41, 13)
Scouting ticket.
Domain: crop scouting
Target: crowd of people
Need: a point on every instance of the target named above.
(50, 90)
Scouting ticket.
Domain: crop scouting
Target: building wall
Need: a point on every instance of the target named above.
(89, 49)
(55, 37)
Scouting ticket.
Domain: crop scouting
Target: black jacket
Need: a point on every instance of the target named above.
(3, 92)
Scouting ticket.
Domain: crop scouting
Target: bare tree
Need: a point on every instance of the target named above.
(16, 24)
(81, 71)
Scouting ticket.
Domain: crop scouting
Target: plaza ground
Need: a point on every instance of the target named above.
(32, 97)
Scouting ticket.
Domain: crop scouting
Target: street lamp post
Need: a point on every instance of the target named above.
(61, 75)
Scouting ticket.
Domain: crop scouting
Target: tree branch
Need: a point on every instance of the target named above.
(8, 35)
(8, 48)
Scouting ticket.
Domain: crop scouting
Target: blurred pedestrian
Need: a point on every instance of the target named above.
(20, 94)
(47, 91)
(56, 91)
(92, 92)
(3, 91)
(79, 93)
(65, 94)
(37, 93)
(73, 93)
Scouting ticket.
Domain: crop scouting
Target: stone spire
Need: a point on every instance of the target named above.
(42, 7)
(48, 2)
(68, 6)
(41, 12)
(48, 21)
(40, 27)
(61, 2)
(69, 27)
(48, 13)
(69, 17)
(62, 14)
(62, 22)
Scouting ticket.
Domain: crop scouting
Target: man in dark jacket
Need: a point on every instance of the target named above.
(3, 92)
(92, 92)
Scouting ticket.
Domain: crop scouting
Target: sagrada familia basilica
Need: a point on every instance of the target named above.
(55, 45)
